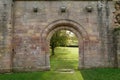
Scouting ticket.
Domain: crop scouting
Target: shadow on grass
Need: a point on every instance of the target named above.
(48, 75)
(100, 74)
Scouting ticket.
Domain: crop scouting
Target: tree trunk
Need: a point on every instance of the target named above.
(53, 51)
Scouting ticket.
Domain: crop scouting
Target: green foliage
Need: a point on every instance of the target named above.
(73, 40)
(63, 38)
(59, 38)
(116, 32)
(116, 29)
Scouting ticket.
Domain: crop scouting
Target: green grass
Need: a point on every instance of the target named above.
(65, 58)
(49, 75)
(88, 74)
(101, 74)
(66, 53)
(57, 60)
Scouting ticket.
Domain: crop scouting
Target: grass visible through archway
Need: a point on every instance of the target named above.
(65, 58)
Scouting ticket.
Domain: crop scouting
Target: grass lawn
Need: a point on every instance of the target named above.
(63, 56)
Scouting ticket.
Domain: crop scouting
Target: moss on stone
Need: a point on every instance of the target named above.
(116, 29)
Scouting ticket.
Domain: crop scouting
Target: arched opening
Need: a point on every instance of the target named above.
(77, 29)
(64, 50)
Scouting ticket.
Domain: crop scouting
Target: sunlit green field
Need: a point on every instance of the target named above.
(65, 58)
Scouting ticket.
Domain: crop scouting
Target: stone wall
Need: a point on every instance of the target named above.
(5, 35)
(118, 48)
(30, 24)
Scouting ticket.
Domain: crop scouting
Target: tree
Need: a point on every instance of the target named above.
(59, 38)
